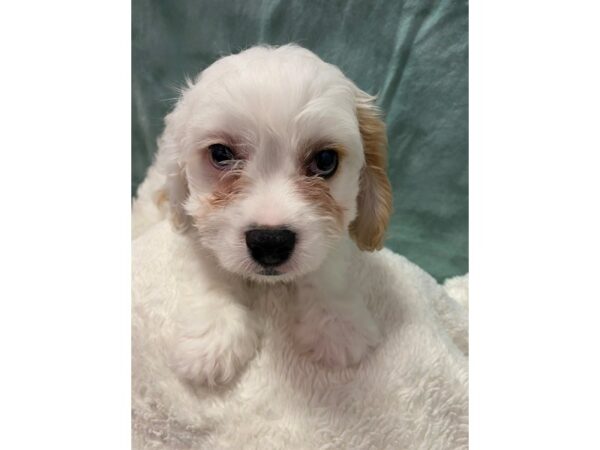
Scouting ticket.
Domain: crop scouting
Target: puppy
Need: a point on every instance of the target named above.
(275, 167)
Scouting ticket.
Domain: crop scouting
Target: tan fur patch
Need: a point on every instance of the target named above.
(375, 196)
(160, 198)
(230, 186)
(316, 191)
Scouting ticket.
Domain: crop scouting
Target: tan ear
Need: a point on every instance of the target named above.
(175, 189)
(375, 195)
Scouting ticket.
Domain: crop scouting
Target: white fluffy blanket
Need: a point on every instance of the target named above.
(410, 393)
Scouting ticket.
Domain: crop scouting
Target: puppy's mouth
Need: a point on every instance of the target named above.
(271, 274)
(269, 271)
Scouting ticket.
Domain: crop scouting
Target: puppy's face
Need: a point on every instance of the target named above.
(273, 156)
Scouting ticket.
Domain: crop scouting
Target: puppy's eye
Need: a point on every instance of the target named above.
(221, 156)
(324, 163)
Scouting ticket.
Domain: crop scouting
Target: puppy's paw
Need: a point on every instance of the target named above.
(214, 349)
(333, 340)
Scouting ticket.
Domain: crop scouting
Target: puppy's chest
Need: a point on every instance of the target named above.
(273, 305)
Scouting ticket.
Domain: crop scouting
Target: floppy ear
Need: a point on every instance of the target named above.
(175, 189)
(375, 195)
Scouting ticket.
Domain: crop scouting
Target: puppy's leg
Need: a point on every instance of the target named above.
(332, 323)
(214, 337)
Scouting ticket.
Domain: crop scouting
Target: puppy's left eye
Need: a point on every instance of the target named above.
(221, 156)
(324, 163)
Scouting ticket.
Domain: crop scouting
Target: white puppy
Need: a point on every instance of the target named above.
(275, 168)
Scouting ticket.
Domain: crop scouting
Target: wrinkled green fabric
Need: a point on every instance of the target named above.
(413, 54)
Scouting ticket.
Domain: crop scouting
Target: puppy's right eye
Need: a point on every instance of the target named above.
(221, 156)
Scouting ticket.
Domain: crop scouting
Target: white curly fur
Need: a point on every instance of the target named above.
(409, 393)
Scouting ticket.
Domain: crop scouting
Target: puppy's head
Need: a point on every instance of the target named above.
(272, 156)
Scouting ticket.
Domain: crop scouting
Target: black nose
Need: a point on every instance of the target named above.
(270, 246)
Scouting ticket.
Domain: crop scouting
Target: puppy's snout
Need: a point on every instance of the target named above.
(270, 246)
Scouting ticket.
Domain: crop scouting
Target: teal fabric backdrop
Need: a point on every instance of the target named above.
(413, 54)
